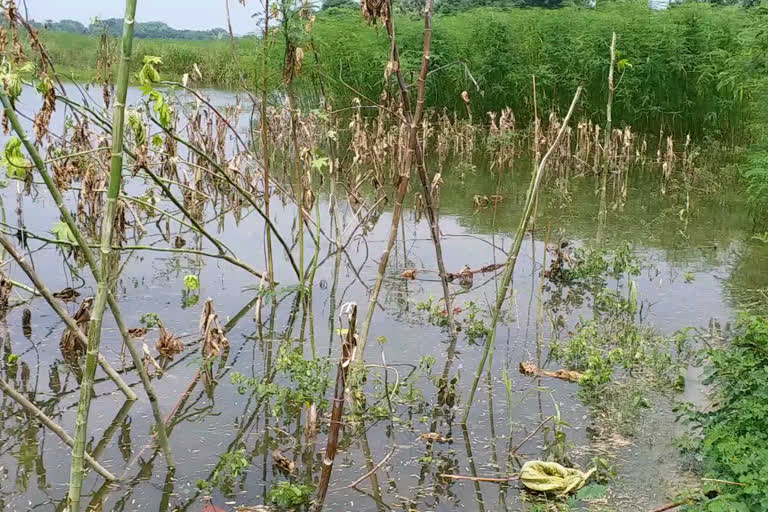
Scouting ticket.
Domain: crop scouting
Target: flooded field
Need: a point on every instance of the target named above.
(241, 423)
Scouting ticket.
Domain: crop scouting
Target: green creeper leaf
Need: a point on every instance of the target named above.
(320, 162)
(191, 282)
(137, 127)
(148, 73)
(162, 110)
(624, 64)
(63, 233)
(150, 320)
(591, 492)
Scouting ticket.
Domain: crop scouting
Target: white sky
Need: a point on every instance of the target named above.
(181, 14)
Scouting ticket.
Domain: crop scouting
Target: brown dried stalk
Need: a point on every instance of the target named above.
(348, 349)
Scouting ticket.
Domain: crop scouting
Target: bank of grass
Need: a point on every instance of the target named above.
(680, 69)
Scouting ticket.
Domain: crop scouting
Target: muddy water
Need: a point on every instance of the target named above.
(694, 264)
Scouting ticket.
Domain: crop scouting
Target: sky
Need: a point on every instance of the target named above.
(189, 14)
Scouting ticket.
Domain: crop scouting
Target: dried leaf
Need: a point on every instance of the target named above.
(282, 462)
(434, 437)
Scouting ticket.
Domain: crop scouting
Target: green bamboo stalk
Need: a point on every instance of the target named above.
(107, 258)
(68, 320)
(605, 168)
(265, 137)
(506, 279)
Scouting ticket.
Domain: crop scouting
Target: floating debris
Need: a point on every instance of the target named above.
(542, 476)
(137, 332)
(70, 348)
(67, 294)
(434, 437)
(282, 462)
(168, 345)
(530, 369)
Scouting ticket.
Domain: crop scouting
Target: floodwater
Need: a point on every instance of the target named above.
(693, 263)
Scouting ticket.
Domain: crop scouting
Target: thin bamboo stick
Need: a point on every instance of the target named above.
(506, 279)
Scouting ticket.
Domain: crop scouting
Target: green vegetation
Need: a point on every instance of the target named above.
(733, 441)
(690, 69)
(288, 495)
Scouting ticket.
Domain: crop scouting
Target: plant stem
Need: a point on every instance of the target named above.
(265, 137)
(509, 270)
(348, 349)
(414, 150)
(605, 168)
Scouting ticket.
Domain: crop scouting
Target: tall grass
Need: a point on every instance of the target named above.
(678, 67)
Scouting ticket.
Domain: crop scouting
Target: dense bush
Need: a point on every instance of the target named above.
(734, 439)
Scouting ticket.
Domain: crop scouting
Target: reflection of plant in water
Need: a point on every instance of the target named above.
(472, 324)
(230, 467)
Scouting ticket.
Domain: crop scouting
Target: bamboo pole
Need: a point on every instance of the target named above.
(506, 279)
(107, 258)
(265, 138)
(68, 320)
(52, 426)
(605, 168)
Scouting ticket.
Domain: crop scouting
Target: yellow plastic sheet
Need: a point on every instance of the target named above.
(552, 477)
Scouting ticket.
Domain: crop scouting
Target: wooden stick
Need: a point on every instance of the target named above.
(348, 348)
(529, 436)
(722, 481)
(52, 426)
(670, 506)
(375, 468)
(480, 478)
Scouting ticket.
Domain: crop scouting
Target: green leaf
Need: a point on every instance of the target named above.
(137, 126)
(150, 320)
(148, 74)
(63, 233)
(320, 162)
(191, 282)
(591, 492)
(624, 64)
(13, 159)
(162, 110)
